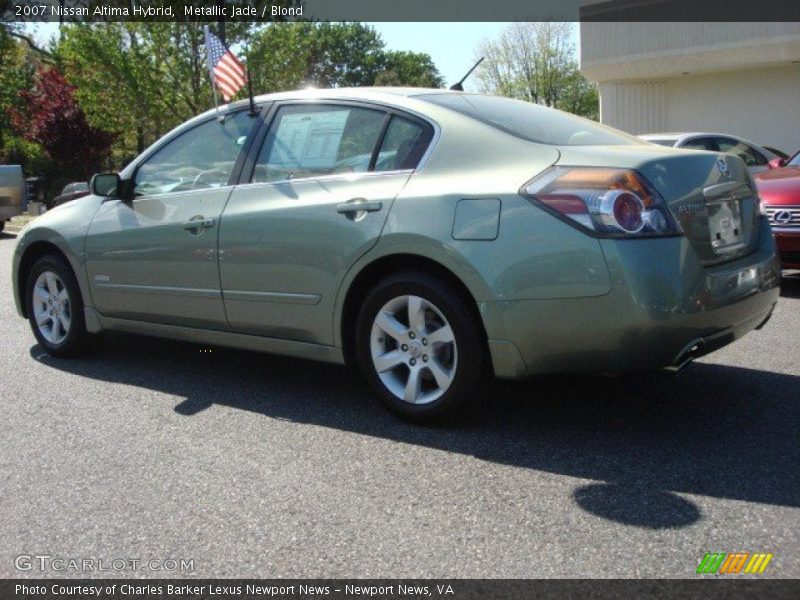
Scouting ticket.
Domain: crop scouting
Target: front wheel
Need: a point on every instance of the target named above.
(421, 347)
(55, 308)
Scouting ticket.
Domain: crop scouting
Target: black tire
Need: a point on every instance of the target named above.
(77, 340)
(464, 391)
(2, 226)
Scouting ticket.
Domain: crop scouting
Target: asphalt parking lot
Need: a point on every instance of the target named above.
(259, 466)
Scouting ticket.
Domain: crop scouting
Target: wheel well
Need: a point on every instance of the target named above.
(388, 265)
(34, 252)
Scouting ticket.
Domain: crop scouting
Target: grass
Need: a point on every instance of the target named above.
(18, 222)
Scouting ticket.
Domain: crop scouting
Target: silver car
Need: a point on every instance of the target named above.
(757, 158)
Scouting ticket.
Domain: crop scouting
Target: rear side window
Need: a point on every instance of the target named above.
(749, 155)
(703, 143)
(532, 122)
(403, 145)
(315, 140)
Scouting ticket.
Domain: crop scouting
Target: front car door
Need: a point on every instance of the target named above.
(319, 194)
(155, 258)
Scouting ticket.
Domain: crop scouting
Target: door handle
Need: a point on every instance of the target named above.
(198, 223)
(358, 206)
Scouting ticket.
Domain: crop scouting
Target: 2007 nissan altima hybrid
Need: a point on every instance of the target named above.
(429, 237)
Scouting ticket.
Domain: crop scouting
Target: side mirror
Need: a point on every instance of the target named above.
(110, 185)
(105, 184)
(777, 163)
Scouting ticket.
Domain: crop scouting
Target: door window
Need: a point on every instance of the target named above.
(316, 140)
(750, 156)
(403, 146)
(200, 158)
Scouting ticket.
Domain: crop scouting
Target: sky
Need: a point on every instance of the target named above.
(452, 46)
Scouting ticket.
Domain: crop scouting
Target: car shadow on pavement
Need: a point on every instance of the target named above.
(714, 430)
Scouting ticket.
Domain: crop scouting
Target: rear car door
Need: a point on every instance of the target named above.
(318, 194)
(155, 258)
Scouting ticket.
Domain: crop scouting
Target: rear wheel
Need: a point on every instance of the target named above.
(420, 346)
(2, 226)
(55, 308)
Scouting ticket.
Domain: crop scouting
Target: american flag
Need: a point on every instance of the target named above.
(226, 71)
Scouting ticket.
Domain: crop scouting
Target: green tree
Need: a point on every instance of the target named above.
(409, 68)
(536, 62)
(18, 63)
(138, 80)
(286, 56)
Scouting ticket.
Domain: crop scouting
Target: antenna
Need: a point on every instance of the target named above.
(460, 88)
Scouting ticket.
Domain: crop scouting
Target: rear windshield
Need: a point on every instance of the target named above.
(532, 122)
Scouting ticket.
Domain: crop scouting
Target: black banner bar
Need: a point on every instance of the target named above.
(393, 589)
(408, 10)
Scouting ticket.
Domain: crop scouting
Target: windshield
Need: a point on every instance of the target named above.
(532, 122)
(794, 161)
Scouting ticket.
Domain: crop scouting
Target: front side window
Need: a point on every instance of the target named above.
(749, 155)
(403, 145)
(317, 140)
(200, 158)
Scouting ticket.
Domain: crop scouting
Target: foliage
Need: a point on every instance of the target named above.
(292, 55)
(536, 62)
(52, 118)
(138, 80)
(409, 68)
(16, 73)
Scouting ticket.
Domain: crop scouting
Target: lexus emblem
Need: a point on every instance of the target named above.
(782, 217)
(722, 165)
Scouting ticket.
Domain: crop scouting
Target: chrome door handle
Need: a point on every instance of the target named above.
(357, 206)
(198, 223)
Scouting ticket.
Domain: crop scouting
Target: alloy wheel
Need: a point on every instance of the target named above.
(51, 307)
(413, 349)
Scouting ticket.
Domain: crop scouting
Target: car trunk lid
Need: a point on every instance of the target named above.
(710, 194)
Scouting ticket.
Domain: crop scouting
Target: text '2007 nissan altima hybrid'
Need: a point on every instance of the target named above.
(428, 237)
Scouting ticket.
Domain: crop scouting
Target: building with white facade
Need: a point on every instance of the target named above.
(737, 78)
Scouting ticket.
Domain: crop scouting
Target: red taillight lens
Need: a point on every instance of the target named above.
(628, 212)
(612, 202)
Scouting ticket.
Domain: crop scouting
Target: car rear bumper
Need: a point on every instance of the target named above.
(664, 307)
(788, 241)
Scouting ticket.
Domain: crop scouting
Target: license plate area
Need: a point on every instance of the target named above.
(725, 225)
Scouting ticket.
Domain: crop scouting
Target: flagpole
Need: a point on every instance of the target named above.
(211, 72)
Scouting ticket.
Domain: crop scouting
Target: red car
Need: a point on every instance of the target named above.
(779, 189)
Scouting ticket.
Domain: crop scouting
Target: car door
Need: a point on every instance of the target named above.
(154, 258)
(318, 196)
(755, 161)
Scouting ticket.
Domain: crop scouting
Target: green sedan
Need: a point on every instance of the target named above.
(430, 238)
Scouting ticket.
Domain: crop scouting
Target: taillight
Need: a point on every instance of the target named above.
(609, 202)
